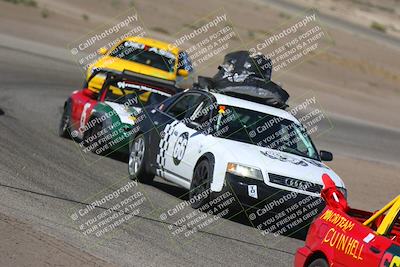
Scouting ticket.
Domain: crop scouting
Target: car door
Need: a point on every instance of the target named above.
(182, 139)
(365, 247)
(153, 125)
(358, 246)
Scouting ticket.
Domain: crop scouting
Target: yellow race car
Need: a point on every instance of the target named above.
(142, 56)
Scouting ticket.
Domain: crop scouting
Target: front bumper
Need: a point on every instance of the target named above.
(285, 209)
(283, 198)
(301, 256)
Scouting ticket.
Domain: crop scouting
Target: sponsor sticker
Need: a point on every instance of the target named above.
(368, 238)
(252, 190)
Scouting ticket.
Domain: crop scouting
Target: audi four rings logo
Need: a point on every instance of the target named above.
(297, 183)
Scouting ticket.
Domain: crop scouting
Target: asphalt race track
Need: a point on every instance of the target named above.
(43, 177)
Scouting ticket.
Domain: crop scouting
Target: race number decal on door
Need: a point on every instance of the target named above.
(180, 148)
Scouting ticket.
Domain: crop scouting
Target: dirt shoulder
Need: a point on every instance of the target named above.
(22, 246)
(370, 185)
(383, 15)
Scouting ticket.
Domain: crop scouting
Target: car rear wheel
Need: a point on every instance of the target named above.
(200, 185)
(319, 263)
(137, 161)
(91, 137)
(65, 122)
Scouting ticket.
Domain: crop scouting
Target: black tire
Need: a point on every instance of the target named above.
(92, 131)
(137, 160)
(65, 123)
(318, 263)
(90, 136)
(200, 185)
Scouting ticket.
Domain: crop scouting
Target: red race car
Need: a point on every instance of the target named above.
(105, 119)
(342, 236)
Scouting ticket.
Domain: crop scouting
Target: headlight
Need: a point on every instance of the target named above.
(343, 190)
(244, 171)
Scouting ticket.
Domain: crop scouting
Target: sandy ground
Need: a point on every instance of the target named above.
(355, 77)
(370, 184)
(363, 12)
(22, 246)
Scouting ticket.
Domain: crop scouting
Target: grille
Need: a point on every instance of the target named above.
(295, 183)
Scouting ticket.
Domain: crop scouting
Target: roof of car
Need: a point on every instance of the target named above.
(238, 102)
(154, 43)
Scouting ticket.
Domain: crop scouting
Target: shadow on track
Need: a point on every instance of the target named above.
(238, 216)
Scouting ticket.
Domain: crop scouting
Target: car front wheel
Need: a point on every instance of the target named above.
(200, 186)
(65, 123)
(319, 263)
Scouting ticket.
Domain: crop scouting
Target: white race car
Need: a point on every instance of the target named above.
(211, 142)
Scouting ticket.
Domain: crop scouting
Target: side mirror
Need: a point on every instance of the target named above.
(183, 73)
(102, 51)
(325, 155)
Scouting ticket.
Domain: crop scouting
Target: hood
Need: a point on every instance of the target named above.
(118, 64)
(281, 163)
(125, 114)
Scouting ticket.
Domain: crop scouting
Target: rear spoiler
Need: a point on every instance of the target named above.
(162, 85)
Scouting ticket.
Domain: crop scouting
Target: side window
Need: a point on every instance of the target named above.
(183, 106)
(95, 84)
(154, 98)
(113, 93)
(168, 102)
(201, 113)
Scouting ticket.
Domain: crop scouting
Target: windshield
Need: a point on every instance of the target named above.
(263, 130)
(146, 55)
